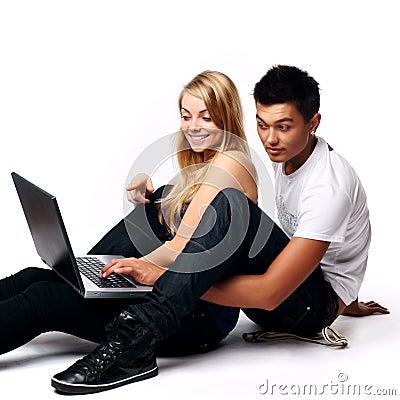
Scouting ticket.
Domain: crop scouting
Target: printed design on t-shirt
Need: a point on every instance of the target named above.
(289, 220)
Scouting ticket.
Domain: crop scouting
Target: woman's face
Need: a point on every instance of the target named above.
(198, 127)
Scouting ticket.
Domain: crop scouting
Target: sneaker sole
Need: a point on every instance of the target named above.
(70, 388)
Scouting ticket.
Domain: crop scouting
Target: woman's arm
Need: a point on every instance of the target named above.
(227, 170)
(286, 273)
(149, 268)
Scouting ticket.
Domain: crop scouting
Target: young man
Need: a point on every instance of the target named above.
(296, 279)
(321, 203)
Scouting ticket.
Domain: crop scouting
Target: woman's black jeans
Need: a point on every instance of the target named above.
(36, 300)
(140, 233)
(234, 237)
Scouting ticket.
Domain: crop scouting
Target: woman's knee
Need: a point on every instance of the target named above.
(50, 293)
(30, 275)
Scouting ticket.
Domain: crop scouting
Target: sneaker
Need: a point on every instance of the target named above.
(127, 355)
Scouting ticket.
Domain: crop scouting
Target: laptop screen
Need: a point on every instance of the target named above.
(47, 229)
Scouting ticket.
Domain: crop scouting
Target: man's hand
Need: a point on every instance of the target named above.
(139, 188)
(141, 271)
(362, 309)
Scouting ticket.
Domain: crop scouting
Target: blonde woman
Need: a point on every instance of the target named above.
(213, 155)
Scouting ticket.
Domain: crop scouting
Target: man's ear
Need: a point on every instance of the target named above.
(315, 121)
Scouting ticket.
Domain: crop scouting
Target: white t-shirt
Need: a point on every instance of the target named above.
(324, 200)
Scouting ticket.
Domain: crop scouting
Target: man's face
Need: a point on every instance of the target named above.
(284, 133)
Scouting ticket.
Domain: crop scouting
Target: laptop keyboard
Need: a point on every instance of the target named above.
(91, 267)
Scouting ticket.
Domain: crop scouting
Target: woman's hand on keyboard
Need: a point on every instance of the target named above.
(141, 271)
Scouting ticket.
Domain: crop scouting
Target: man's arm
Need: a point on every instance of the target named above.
(362, 309)
(287, 272)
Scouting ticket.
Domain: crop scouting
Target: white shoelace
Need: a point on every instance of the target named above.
(328, 337)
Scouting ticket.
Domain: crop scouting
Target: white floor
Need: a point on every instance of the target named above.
(237, 370)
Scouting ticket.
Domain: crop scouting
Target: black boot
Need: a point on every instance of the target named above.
(126, 355)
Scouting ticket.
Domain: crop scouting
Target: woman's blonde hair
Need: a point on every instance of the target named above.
(222, 101)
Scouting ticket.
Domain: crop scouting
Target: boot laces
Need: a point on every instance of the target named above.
(105, 353)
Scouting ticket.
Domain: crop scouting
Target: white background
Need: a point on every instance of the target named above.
(86, 86)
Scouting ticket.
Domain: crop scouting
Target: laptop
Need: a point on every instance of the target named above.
(53, 247)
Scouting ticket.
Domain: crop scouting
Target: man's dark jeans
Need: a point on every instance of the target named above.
(234, 237)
